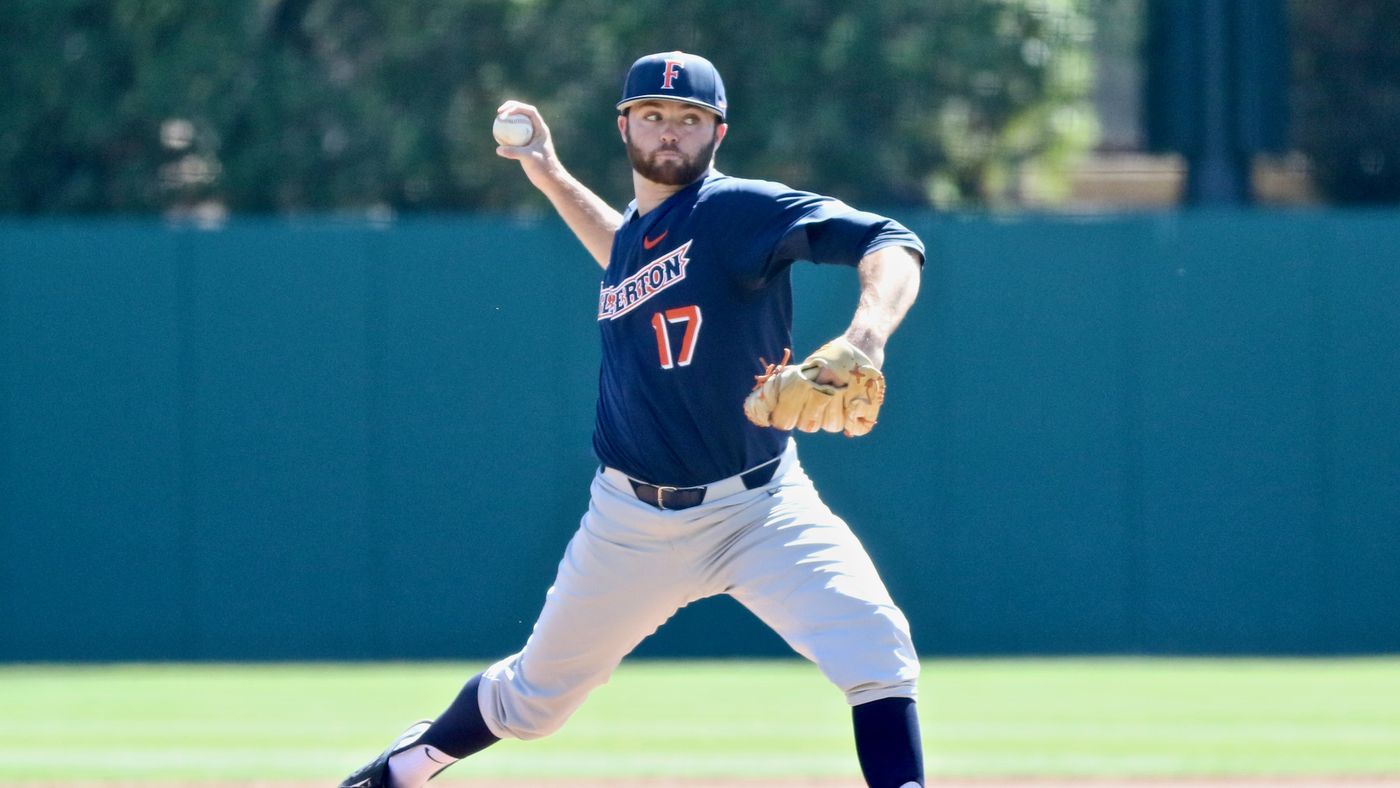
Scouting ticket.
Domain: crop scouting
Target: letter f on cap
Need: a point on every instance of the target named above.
(670, 73)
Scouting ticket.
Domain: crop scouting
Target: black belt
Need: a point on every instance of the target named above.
(676, 498)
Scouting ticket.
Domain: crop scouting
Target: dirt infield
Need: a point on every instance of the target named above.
(1017, 782)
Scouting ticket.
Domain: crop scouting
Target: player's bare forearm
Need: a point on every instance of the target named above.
(889, 282)
(591, 219)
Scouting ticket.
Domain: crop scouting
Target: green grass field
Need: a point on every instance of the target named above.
(1111, 718)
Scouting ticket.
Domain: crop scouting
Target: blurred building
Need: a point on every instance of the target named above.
(1122, 172)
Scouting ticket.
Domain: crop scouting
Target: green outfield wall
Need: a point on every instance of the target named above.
(1176, 433)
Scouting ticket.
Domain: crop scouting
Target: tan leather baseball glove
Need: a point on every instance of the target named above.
(788, 396)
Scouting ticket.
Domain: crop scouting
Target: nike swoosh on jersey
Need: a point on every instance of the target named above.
(650, 243)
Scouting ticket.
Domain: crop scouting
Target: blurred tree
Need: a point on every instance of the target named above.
(1347, 97)
(385, 105)
(87, 88)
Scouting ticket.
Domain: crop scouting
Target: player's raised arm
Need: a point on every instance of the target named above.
(591, 219)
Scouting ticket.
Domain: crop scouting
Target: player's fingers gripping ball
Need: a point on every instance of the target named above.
(789, 397)
(513, 129)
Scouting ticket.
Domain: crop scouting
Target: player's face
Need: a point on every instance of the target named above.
(670, 142)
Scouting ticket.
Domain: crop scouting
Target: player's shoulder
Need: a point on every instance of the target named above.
(748, 196)
(721, 186)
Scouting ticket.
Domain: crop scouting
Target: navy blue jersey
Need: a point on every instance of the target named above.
(696, 291)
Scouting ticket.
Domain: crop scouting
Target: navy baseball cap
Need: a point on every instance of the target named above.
(677, 76)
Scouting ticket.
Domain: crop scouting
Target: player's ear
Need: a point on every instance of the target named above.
(720, 130)
(622, 126)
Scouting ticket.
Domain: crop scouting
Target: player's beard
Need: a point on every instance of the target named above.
(681, 171)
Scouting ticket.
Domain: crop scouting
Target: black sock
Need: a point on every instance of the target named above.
(887, 742)
(460, 730)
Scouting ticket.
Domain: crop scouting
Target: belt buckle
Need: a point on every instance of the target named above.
(661, 494)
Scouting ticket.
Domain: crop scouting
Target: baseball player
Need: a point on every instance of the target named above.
(699, 490)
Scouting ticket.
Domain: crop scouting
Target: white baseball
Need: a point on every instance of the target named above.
(513, 130)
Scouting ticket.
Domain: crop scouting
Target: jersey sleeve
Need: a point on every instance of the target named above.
(777, 226)
(825, 230)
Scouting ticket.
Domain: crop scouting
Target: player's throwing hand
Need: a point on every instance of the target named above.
(539, 149)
